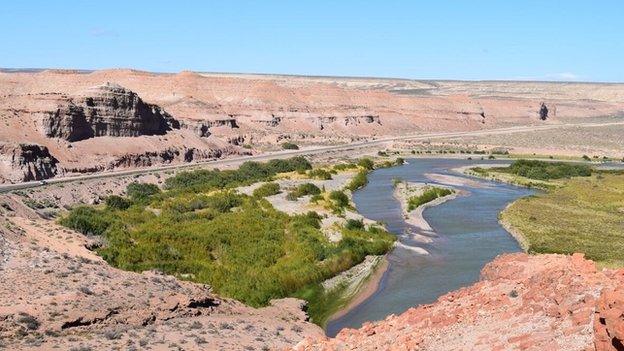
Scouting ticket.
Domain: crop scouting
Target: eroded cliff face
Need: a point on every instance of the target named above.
(26, 162)
(107, 110)
(543, 302)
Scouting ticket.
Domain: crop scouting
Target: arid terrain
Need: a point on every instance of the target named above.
(67, 122)
(546, 302)
(58, 293)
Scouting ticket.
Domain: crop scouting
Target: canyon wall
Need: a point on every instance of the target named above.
(92, 121)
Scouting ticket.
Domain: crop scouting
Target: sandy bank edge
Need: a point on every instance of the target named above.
(366, 290)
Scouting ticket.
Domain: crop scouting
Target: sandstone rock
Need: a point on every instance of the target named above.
(107, 110)
(26, 162)
(544, 302)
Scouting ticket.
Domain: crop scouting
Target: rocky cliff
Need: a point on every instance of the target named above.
(107, 110)
(544, 302)
(26, 162)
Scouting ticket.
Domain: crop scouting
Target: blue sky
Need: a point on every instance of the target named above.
(471, 39)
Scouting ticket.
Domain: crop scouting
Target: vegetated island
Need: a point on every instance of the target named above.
(580, 209)
(414, 198)
(257, 233)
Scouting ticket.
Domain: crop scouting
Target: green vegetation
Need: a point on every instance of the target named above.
(428, 195)
(366, 163)
(303, 190)
(319, 173)
(115, 202)
(534, 174)
(358, 181)
(290, 146)
(267, 189)
(583, 215)
(344, 166)
(339, 201)
(387, 164)
(240, 245)
(542, 170)
(142, 191)
(354, 224)
(248, 173)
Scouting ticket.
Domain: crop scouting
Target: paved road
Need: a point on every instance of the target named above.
(291, 153)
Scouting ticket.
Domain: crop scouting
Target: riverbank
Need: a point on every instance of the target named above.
(365, 288)
(575, 214)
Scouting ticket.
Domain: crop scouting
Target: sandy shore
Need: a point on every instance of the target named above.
(402, 192)
(366, 290)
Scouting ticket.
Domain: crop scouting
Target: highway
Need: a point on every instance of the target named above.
(291, 153)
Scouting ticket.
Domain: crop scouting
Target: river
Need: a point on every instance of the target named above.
(469, 236)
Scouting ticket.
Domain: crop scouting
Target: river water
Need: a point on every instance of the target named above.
(469, 236)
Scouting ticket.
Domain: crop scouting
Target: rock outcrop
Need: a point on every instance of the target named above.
(544, 302)
(545, 112)
(107, 110)
(172, 154)
(26, 162)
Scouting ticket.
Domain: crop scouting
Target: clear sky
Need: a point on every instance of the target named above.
(470, 39)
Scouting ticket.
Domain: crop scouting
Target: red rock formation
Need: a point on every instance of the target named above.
(544, 302)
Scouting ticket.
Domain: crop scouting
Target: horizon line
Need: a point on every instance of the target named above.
(87, 71)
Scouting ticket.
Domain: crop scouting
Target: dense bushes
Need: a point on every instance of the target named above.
(270, 254)
(344, 166)
(366, 163)
(427, 196)
(117, 202)
(319, 173)
(358, 181)
(541, 170)
(340, 199)
(248, 173)
(354, 224)
(87, 220)
(290, 146)
(141, 191)
(303, 190)
(267, 189)
(240, 245)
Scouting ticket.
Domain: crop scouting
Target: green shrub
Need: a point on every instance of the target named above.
(303, 190)
(340, 199)
(248, 173)
(115, 202)
(87, 220)
(344, 166)
(354, 224)
(290, 146)
(366, 163)
(141, 191)
(358, 181)
(319, 174)
(267, 189)
(542, 170)
(427, 196)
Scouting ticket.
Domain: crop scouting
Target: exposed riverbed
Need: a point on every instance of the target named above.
(468, 235)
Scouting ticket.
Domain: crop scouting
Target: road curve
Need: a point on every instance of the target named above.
(291, 153)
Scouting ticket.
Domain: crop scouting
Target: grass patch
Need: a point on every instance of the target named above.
(267, 189)
(428, 195)
(303, 190)
(582, 215)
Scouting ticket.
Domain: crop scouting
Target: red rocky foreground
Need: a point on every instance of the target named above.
(544, 302)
